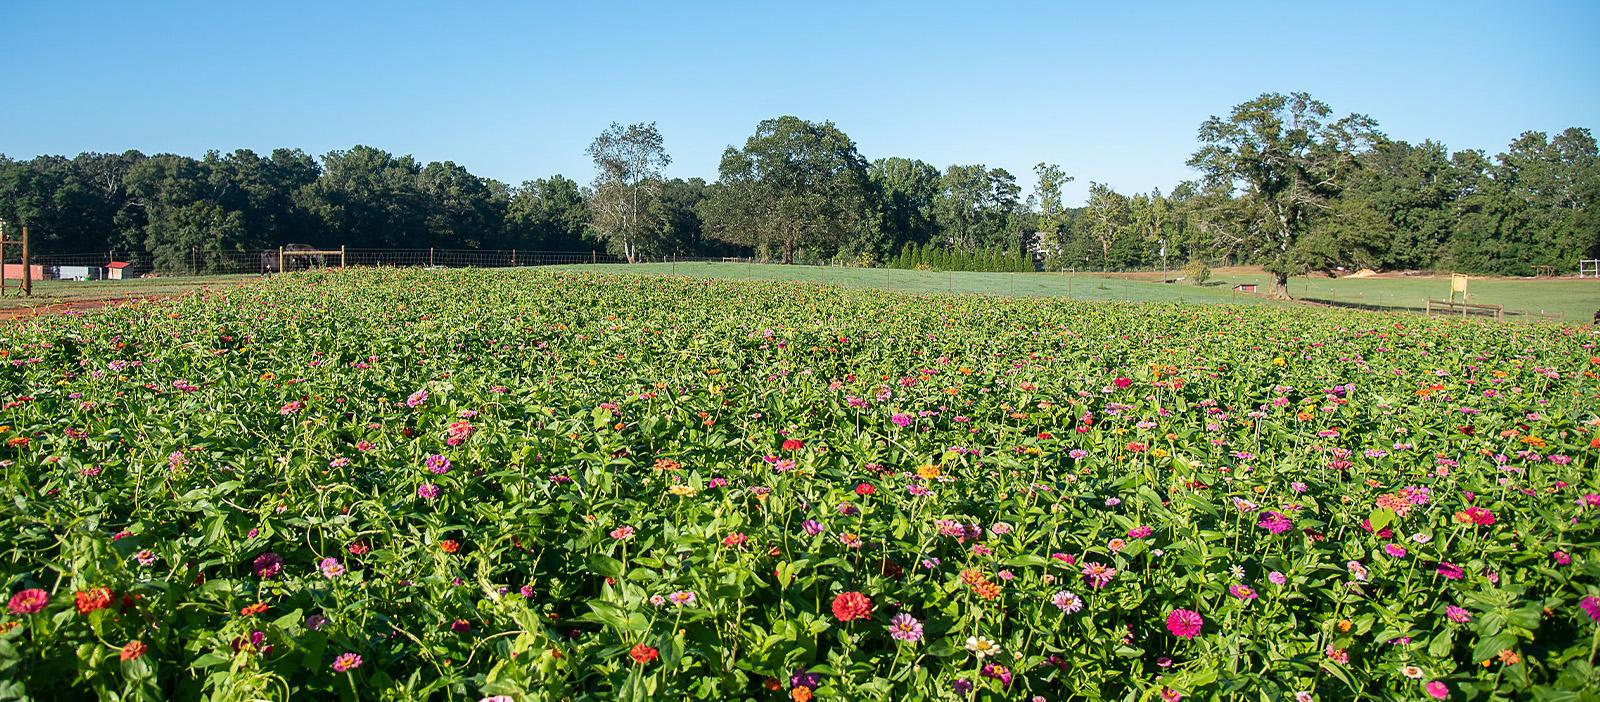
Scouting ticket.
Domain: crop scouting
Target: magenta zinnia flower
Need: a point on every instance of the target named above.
(437, 464)
(1184, 623)
(1451, 571)
(33, 600)
(1275, 522)
(428, 491)
(1591, 606)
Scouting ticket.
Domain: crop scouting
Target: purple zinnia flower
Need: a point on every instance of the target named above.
(268, 565)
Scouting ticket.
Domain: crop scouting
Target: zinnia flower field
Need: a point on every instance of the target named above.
(420, 484)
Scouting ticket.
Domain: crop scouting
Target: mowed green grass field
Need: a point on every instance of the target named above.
(1565, 299)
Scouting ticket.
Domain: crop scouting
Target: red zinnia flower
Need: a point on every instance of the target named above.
(793, 444)
(864, 489)
(133, 649)
(92, 599)
(643, 654)
(851, 605)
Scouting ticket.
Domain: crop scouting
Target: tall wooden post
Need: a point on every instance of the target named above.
(27, 265)
(3, 243)
(341, 257)
(280, 259)
(430, 256)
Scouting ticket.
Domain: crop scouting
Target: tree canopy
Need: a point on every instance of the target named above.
(1281, 182)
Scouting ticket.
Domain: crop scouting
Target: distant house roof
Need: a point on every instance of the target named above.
(117, 264)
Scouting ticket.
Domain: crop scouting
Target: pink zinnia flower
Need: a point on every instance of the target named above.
(346, 661)
(1457, 614)
(1185, 623)
(1438, 690)
(33, 600)
(904, 627)
(1242, 592)
(901, 420)
(1450, 571)
(1098, 574)
(428, 491)
(331, 568)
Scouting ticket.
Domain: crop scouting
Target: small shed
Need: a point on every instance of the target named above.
(1245, 287)
(116, 269)
(80, 272)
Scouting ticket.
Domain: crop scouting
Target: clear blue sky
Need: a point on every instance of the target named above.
(1113, 91)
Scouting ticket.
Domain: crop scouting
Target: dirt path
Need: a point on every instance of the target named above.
(73, 306)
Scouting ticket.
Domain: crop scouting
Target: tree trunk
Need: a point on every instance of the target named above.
(1280, 287)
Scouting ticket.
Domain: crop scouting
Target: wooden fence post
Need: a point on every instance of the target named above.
(27, 265)
(280, 259)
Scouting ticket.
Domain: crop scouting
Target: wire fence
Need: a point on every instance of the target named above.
(108, 265)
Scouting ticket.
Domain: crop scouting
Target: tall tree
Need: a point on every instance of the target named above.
(628, 162)
(1151, 215)
(1108, 219)
(1046, 240)
(1282, 152)
(795, 186)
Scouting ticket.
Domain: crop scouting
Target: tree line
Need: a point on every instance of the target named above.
(1282, 182)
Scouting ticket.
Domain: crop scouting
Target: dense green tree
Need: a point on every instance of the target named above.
(903, 192)
(262, 190)
(795, 186)
(547, 214)
(369, 198)
(978, 207)
(1283, 153)
(196, 237)
(462, 210)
